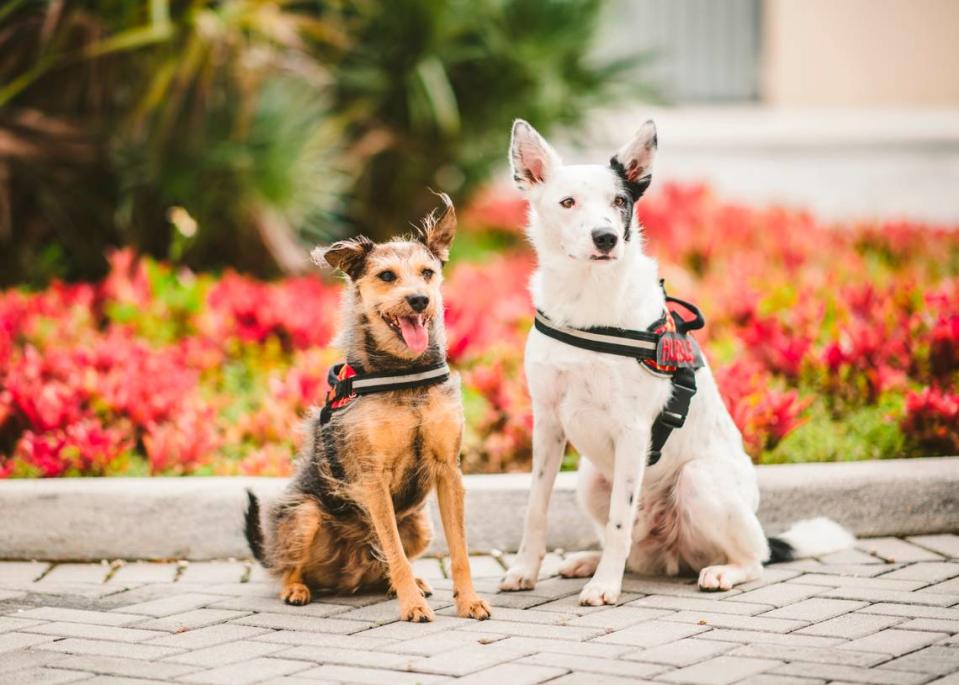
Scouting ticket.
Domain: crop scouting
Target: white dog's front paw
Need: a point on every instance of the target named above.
(714, 578)
(518, 577)
(598, 592)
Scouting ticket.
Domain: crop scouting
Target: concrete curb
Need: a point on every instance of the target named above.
(201, 518)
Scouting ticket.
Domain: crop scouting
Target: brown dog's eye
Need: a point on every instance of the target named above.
(567, 202)
(428, 274)
(387, 276)
(620, 201)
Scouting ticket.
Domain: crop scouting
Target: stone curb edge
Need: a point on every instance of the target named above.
(201, 518)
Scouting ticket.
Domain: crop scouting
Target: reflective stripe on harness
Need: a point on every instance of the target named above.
(665, 349)
(346, 384)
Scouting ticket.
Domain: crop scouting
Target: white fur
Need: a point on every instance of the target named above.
(817, 537)
(695, 509)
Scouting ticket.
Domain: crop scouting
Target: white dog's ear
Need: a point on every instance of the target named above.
(530, 156)
(349, 256)
(634, 161)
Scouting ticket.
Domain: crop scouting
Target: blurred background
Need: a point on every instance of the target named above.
(165, 166)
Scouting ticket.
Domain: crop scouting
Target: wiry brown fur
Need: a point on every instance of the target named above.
(354, 513)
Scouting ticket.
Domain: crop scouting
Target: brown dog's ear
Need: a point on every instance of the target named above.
(437, 234)
(349, 256)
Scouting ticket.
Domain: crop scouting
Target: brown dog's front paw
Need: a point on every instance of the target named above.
(296, 594)
(416, 612)
(473, 607)
(424, 587)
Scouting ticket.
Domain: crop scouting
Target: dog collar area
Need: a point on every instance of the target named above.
(665, 349)
(346, 384)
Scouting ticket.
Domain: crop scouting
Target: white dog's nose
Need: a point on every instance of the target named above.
(604, 239)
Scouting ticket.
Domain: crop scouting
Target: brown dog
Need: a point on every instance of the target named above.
(354, 514)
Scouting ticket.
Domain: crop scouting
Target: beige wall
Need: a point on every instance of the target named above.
(861, 52)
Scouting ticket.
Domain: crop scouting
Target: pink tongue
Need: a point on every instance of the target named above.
(415, 334)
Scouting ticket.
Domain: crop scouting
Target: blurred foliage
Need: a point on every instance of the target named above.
(231, 132)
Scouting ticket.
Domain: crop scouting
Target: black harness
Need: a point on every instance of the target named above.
(346, 383)
(665, 349)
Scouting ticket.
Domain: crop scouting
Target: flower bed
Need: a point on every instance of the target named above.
(829, 343)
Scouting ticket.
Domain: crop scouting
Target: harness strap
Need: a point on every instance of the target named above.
(346, 384)
(647, 347)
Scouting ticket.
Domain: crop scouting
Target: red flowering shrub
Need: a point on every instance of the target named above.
(821, 338)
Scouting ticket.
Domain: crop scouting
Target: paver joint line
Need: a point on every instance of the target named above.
(886, 613)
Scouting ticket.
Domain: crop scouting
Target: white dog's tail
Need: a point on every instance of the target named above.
(810, 538)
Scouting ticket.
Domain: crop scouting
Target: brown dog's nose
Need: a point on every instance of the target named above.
(418, 302)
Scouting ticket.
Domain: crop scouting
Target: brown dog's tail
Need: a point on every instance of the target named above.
(253, 529)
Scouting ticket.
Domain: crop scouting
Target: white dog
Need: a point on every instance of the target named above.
(694, 510)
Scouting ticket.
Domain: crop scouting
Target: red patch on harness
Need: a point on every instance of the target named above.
(675, 350)
(346, 372)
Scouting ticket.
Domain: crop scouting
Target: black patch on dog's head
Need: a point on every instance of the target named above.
(634, 189)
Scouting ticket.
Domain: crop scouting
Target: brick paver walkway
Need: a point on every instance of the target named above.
(886, 613)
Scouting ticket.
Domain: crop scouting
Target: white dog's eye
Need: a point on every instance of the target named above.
(620, 201)
(567, 202)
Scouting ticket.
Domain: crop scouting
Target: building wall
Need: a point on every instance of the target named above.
(861, 52)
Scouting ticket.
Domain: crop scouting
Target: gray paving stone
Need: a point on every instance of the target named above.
(372, 676)
(616, 618)
(107, 648)
(677, 587)
(209, 636)
(102, 618)
(21, 659)
(7, 595)
(613, 667)
(881, 583)
(894, 641)
(769, 679)
(771, 625)
(10, 623)
(386, 611)
(226, 653)
(93, 632)
(947, 545)
(851, 570)
(781, 594)
(937, 660)
(167, 606)
(51, 676)
(245, 672)
(428, 569)
(850, 556)
(911, 610)
(571, 605)
(950, 587)
(851, 626)
(514, 674)
(755, 636)
(815, 609)
(348, 657)
(465, 660)
(652, 633)
(12, 641)
(592, 648)
(821, 655)
(947, 680)
(121, 666)
(274, 605)
(851, 674)
(525, 615)
(684, 652)
(596, 679)
(720, 670)
(188, 620)
(404, 630)
(552, 632)
(437, 643)
(866, 595)
(926, 571)
(76, 573)
(894, 549)
(301, 637)
(937, 625)
(213, 572)
(729, 606)
(144, 572)
(290, 622)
